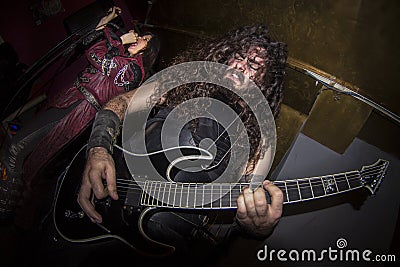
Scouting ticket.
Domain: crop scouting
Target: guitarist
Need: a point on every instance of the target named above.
(249, 50)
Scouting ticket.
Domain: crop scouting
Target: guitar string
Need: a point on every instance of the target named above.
(288, 188)
(315, 181)
(290, 183)
(222, 199)
(213, 191)
(235, 192)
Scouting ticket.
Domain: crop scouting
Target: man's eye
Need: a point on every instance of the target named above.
(254, 66)
(238, 57)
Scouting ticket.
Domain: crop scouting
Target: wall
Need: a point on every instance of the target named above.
(31, 42)
(356, 40)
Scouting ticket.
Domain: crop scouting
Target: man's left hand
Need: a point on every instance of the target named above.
(254, 214)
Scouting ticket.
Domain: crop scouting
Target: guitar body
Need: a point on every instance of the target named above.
(125, 223)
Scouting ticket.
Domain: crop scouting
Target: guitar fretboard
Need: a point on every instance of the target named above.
(224, 195)
(316, 187)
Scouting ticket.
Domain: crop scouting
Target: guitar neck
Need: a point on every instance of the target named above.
(224, 195)
(317, 187)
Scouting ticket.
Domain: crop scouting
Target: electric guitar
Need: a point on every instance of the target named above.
(125, 218)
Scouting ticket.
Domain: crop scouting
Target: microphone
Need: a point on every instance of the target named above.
(116, 27)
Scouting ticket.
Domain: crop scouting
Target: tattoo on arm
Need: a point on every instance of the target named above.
(119, 104)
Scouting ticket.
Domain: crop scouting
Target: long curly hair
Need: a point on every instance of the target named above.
(269, 78)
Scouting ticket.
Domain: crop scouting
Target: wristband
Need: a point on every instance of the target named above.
(105, 130)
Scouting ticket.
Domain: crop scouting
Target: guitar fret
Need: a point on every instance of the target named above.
(143, 194)
(195, 195)
(322, 181)
(224, 200)
(347, 180)
(152, 190)
(286, 189)
(354, 183)
(156, 191)
(293, 191)
(220, 196)
(158, 195)
(232, 194)
(158, 200)
(200, 198)
(235, 192)
(188, 193)
(162, 188)
(148, 195)
(211, 194)
(153, 194)
(341, 183)
(180, 200)
(169, 194)
(202, 202)
(208, 196)
(153, 198)
(232, 191)
(298, 188)
(317, 187)
(229, 196)
(311, 188)
(174, 204)
(151, 201)
(305, 189)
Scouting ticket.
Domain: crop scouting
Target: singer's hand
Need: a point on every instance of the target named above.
(139, 46)
(130, 37)
(112, 13)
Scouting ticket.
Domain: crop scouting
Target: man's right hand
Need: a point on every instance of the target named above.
(100, 165)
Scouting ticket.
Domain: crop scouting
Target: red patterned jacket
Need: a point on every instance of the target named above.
(109, 74)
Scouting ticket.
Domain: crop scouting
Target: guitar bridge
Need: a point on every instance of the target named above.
(74, 215)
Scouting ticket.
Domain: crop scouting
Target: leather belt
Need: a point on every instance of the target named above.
(89, 97)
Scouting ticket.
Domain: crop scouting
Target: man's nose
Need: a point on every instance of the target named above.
(241, 65)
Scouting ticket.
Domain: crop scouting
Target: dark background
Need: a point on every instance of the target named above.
(356, 41)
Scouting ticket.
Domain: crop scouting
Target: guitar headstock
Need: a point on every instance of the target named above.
(372, 175)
